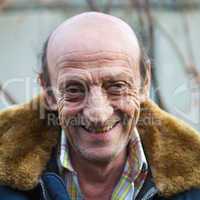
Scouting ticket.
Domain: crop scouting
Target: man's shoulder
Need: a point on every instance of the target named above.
(15, 116)
(7, 116)
(26, 145)
(172, 148)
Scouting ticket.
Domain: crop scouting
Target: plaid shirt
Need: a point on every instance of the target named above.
(131, 181)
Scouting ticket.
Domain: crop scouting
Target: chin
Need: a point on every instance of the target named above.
(101, 155)
(98, 158)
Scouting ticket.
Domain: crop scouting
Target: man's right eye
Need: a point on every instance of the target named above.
(74, 89)
(74, 92)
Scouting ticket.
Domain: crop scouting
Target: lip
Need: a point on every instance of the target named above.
(102, 135)
(100, 132)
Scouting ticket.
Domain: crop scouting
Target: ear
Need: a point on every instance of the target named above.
(49, 97)
(146, 84)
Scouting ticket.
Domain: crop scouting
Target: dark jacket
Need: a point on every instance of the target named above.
(28, 135)
(55, 190)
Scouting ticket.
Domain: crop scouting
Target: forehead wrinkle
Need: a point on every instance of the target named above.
(72, 73)
(77, 59)
(85, 55)
(96, 75)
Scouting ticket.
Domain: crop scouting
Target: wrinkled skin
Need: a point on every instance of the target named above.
(102, 98)
(93, 62)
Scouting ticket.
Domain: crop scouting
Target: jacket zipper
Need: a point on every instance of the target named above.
(153, 191)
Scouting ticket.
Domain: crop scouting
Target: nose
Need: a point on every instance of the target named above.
(98, 108)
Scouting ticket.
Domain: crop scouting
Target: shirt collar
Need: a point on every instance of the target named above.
(136, 161)
(65, 161)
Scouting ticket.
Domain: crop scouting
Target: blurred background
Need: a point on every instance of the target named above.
(169, 30)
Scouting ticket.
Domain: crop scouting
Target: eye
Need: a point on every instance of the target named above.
(117, 88)
(73, 89)
(74, 92)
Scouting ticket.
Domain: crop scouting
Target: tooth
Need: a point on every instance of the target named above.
(98, 129)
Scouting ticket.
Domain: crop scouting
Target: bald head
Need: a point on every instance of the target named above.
(89, 33)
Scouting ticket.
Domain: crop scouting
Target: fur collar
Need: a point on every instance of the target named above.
(172, 147)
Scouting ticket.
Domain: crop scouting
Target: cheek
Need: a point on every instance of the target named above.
(67, 110)
(130, 109)
(129, 105)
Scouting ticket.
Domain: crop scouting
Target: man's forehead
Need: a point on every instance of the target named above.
(102, 72)
(95, 74)
(91, 60)
(91, 32)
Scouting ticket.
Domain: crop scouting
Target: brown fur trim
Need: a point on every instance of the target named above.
(172, 147)
(25, 145)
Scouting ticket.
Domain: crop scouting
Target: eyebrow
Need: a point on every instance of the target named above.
(72, 79)
(116, 77)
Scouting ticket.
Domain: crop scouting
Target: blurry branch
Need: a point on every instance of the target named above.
(151, 30)
(2, 4)
(17, 5)
(108, 7)
(191, 66)
(144, 14)
(146, 19)
(7, 95)
(137, 4)
(94, 7)
(171, 40)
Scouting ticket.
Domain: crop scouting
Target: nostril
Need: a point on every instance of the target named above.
(98, 115)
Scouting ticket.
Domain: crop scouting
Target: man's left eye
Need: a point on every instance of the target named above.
(117, 88)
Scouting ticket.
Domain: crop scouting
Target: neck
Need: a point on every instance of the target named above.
(98, 176)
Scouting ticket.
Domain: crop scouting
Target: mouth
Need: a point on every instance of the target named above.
(100, 130)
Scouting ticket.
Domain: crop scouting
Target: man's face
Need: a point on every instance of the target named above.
(97, 81)
(98, 102)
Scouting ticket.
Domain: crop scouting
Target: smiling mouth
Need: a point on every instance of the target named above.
(99, 130)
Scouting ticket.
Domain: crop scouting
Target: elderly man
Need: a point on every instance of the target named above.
(111, 142)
